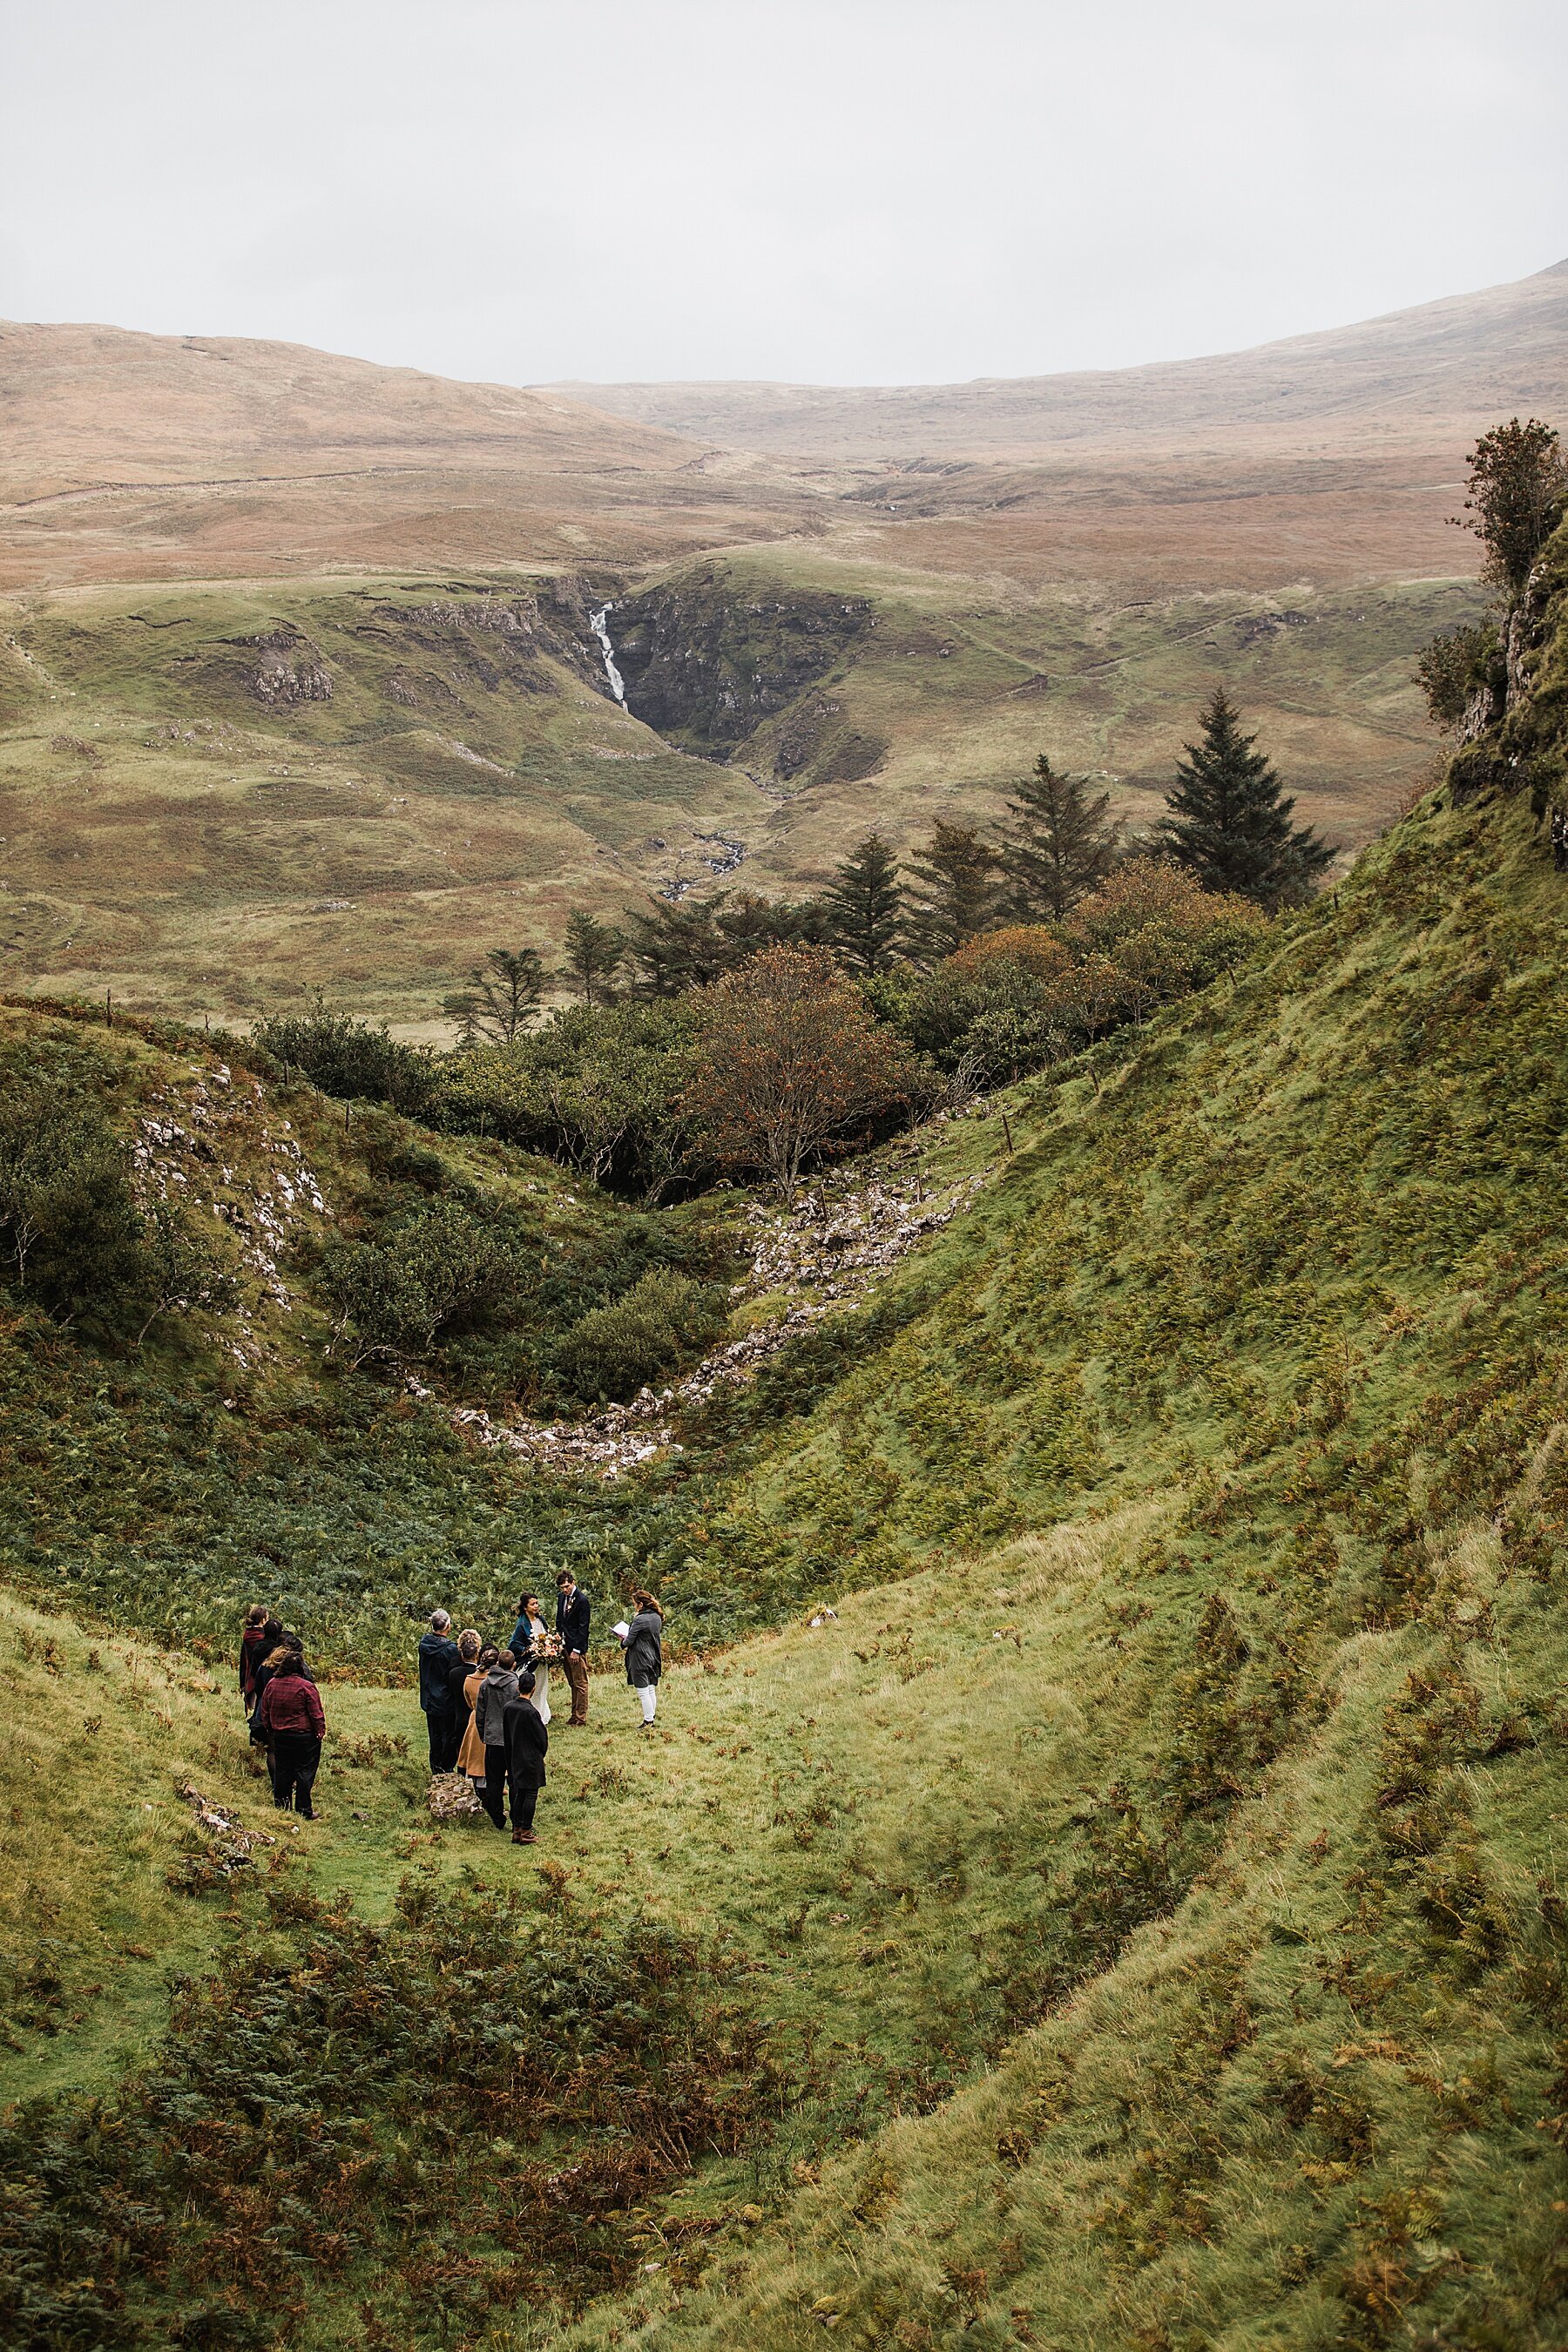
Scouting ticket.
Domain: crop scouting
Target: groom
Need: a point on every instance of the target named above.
(572, 1624)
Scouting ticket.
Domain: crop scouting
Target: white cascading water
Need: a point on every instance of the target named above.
(599, 622)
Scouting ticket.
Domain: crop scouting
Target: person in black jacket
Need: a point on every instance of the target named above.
(437, 1656)
(495, 1695)
(572, 1624)
(270, 1643)
(527, 1743)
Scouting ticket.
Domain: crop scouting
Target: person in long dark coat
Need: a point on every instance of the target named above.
(526, 1744)
(267, 1654)
(437, 1656)
(252, 1642)
(643, 1643)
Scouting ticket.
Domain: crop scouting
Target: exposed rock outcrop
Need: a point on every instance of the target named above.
(706, 663)
(289, 671)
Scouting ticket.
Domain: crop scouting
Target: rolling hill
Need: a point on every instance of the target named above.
(1134, 1919)
(835, 610)
(1450, 366)
(131, 456)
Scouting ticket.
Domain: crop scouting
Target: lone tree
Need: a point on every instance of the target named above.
(507, 988)
(595, 954)
(1060, 845)
(865, 904)
(1229, 821)
(957, 891)
(787, 1057)
(1518, 495)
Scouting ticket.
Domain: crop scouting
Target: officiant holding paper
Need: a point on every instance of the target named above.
(643, 1642)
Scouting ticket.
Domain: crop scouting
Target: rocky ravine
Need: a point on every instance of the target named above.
(825, 1254)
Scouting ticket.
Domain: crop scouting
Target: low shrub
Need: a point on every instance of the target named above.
(649, 1330)
(349, 1058)
(442, 1269)
(334, 2096)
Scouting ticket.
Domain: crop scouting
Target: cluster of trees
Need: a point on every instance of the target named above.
(750, 1034)
(1228, 824)
(433, 1269)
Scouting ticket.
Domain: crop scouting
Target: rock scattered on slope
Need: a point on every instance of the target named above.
(825, 1253)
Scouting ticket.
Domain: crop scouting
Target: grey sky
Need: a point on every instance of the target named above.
(851, 191)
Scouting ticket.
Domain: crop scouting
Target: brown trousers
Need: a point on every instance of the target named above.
(577, 1675)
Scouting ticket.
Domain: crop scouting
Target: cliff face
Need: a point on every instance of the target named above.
(1515, 736)
(707, 662)
(442, 658)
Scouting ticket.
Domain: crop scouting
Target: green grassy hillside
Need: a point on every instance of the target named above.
(946, 688)
(216, 797)
(1133, 1923)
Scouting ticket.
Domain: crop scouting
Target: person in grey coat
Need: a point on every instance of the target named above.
(495, 1695)
(643, 1643)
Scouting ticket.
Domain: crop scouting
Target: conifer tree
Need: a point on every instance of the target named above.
(462, 1009)
(594, 954)
(508, 988)
(1060, 845)
(865, 904)
(1229, 821)
(956, 893)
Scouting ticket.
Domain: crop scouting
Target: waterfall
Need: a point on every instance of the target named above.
(618, 684)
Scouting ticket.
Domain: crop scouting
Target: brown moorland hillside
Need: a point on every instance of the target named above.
(1468, 357)
(132, 457)
(378, 735)
(1327, 457)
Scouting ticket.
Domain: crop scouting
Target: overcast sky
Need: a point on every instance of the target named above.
(829, 191)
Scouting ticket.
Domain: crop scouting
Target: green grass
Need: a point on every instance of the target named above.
(1144, 1897)
(962, 682)
(170, 837)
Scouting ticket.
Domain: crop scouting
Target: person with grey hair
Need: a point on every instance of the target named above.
(437, 1656)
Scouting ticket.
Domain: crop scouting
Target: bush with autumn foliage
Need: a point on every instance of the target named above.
(1020, 998)
(790, 1059)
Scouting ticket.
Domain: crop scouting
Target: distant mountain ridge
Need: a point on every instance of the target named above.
(1469, 355)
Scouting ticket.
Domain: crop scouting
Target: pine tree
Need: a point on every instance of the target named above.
(865, 903)
(1229, 821)
(1060, 845)
(462, 1009)
(956, 893)
(594, 954)
(673, 948)
(508, 988)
